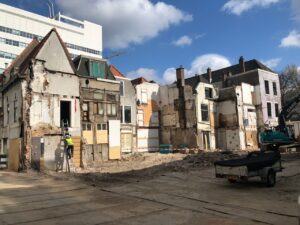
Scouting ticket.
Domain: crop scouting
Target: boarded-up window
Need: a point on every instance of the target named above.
(204, 112)
(269, 109)
(267, 89)
(95, 108)
(144, 97)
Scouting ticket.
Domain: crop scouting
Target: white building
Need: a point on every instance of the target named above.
(18, 27)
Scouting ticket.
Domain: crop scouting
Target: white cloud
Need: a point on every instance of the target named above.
(272, 63)
(126, 22)
(147, 73)
(198, 66)
(169, 75)
(183, 41)
(214, 61)
(237, 7)
(292, 40)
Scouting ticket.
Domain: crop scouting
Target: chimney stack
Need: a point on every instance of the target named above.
(209, 74)
(242, 64)
(180, 76)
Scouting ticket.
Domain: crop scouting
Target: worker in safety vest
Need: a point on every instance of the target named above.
(70, 146)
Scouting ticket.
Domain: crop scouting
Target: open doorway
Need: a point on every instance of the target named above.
(65, 111)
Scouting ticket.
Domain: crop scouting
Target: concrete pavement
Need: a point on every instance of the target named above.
(194, 197)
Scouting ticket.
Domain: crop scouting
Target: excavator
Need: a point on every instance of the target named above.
(280, 136)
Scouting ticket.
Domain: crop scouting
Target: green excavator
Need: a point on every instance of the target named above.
(281, 135)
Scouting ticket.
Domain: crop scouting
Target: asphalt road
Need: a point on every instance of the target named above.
(194, 197)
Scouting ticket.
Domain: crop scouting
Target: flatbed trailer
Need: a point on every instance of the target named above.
(264, 164)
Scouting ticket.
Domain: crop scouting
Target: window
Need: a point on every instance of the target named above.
(204, 112)
(101, 108)
(208, 92)
(86, 126)
(97, 69)
(101, 126)
(269, 108)
(144, 97)
(276, 110)
(121, 88)
(274, 88)
(267, 87)
(85, 109)
(111, 109)
(127, 114)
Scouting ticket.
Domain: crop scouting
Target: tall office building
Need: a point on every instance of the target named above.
(18, 27)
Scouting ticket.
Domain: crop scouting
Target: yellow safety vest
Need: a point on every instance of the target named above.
(69, 141)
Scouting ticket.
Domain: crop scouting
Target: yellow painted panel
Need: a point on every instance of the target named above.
(14, 154)
(102, 136)
(88, 136)
(115, 153)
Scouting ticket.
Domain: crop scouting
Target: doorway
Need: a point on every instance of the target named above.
(206, 141)
(65, 111)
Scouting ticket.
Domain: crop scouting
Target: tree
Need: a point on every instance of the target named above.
(289, 82)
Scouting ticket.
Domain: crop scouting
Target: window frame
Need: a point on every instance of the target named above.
(267, 87)
(276, 106)
(124, 111)
(204, 111)
(269, 109)
(274, 85)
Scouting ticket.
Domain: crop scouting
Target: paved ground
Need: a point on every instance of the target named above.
(186, 197)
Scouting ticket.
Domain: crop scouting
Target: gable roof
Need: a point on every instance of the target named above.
(139, 80)
(115, 71)
(220, 74)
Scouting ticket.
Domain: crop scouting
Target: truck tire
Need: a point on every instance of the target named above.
(271, 178)
(231, 180)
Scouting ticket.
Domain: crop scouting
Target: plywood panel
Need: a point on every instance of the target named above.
(114, 139)
(102, 136)
(88, 136)
(14, 154)
(77, 151)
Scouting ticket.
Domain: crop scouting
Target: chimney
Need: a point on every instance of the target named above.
(6, 65)
(180, 76)
(242, 64)
(209, 74)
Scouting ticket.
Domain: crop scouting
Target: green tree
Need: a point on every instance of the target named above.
(289, 82)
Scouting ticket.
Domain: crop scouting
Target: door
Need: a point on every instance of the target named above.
(148, 139)
(65, 111)
(35, 153)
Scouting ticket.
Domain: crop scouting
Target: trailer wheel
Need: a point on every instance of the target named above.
(271, 178)
(231, 180)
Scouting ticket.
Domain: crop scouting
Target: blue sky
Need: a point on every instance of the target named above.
(158, 36)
